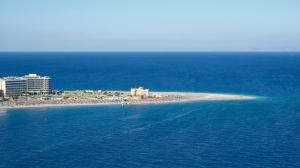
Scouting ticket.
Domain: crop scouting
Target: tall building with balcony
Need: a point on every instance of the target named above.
(13, 86)
(17, 86)
(38, 84)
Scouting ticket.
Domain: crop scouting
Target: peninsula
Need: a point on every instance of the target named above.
(97, 98)
(34, 91)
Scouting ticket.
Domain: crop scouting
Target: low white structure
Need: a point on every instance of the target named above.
(140, 92)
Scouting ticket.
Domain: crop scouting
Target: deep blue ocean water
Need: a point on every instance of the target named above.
(257, 133)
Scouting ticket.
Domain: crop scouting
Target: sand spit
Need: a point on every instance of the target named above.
(161, 98)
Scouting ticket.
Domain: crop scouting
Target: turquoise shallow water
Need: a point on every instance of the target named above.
(257, 133)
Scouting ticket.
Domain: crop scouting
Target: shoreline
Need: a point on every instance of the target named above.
(168, 98)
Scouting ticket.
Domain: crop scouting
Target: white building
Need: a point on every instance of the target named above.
(38, 84)
(17, 86)
(1, 90)
(13, 86)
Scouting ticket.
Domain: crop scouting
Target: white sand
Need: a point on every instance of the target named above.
(167, 97)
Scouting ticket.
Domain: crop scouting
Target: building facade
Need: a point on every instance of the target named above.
(38, 84)
(1, 90)
(13, 86)
(17, 86)
(140, 92)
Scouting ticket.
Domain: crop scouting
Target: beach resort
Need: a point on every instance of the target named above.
(35, 91)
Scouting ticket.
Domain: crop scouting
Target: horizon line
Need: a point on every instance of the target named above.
(145, 51)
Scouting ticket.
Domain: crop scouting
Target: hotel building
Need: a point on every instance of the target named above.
(13, 86)
(17, 86)
(38, 84)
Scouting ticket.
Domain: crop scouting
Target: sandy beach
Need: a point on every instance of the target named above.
(165, 98)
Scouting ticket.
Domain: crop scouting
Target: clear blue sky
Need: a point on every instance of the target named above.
(150, 25)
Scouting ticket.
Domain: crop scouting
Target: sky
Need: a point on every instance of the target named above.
(149, 25)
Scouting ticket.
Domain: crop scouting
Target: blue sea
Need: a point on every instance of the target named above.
(261, 133)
